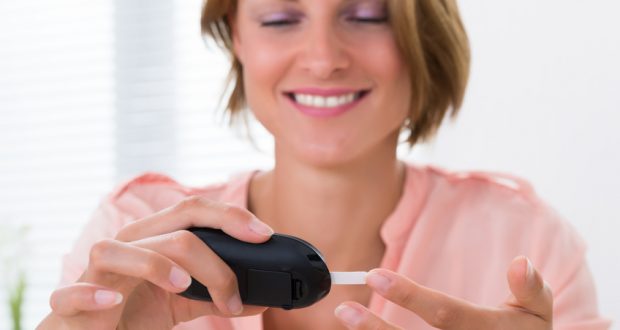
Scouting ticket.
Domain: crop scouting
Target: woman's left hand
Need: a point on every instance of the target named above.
(529, 307)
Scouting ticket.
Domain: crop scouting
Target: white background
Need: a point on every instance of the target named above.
(93, 92)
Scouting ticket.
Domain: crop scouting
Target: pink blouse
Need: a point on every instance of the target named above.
(453, 232)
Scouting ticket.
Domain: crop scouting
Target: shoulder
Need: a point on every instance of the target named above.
(150, 184)
(499, 205)
(150, 192)
(481, 185)
(477, 191)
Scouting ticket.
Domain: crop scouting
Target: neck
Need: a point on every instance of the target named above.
(338, 209)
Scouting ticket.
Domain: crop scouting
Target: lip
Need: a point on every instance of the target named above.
(325, 91)
(325, 112)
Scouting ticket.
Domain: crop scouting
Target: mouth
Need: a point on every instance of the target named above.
(331, 101)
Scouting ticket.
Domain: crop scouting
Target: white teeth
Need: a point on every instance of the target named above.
(325, 102)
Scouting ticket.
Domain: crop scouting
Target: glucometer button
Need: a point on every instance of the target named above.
(269, 288)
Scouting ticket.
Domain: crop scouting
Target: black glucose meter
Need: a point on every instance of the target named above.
(284, 271)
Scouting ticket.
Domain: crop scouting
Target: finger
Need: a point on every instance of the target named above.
(75, 298)
(197, 308)
(529, 289)
(202, 263)
(199, 212)
(110, 261)
(435, 308)
(356, 316)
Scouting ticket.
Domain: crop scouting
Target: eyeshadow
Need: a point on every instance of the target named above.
(367, 9)
(280, 15)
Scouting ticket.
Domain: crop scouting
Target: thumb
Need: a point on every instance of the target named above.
(529, 290)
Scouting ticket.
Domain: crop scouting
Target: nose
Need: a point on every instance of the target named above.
(324, 53)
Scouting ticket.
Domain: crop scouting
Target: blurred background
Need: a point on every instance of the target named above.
(95, 92)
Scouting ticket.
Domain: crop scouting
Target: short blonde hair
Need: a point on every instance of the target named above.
(430, 36)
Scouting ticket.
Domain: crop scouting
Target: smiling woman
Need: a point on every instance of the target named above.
(336, 82)
(429, 38)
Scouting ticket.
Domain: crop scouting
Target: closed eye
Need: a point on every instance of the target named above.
(362, 20)
(279, 23)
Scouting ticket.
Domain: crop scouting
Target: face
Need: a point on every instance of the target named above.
(324, 77)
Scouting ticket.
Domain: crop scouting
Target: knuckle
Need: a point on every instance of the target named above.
(149, 265)
(235, 212)
(226, 281)
(99, 251)
(444, 316)
(63, 300)
(404, 297)
(182, 242)
(191, 202)
(55, 301)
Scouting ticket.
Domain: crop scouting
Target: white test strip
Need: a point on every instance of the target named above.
(348, 278)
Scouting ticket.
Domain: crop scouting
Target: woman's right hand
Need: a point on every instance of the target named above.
(132, 281)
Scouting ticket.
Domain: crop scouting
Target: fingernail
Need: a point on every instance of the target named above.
(260, 227)
(378, 282)
(349, 315)
(179, 278)
(107, 298)
(530, 271)
(234, 305)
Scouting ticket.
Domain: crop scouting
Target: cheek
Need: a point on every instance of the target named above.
(262, 71)
(265, 57)
(389, 69)
(390, 64)
(263, 68)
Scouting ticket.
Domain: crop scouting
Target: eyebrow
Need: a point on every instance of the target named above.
(345, 2)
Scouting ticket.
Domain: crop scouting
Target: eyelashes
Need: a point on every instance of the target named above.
(369, 20)
(279, 23)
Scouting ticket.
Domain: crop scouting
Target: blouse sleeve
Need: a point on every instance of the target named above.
(575, 305)
(562, 261)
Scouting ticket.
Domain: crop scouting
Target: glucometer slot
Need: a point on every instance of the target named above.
(298, 292)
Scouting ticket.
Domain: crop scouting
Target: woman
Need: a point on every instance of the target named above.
(336, 82)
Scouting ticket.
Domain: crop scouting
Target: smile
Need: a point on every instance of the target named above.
(325, 103)
(318, 101)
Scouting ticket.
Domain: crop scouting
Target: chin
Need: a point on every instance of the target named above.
(325, 155)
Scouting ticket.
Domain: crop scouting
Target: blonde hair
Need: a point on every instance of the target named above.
(430, 36)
